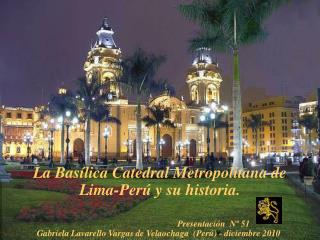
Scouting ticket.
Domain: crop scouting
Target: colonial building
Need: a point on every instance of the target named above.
(309, 108)
(17, 122)
(276, 136)
(103, 59)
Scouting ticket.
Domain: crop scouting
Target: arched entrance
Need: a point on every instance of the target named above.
(193, 148)
(167, 146)
(78, 148)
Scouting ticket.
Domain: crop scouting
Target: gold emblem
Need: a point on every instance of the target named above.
(269, 209)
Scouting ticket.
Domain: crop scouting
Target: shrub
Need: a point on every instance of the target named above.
(74, 207)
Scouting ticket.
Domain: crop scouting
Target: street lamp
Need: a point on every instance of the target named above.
(187, 144)
(208, 116)
(147, 141)
(51, 126)
(45, 128)
(106, 134)
(162, 142)
(180, 145)
(27, 138)
(68, 122)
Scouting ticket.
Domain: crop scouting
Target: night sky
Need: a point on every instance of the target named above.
(44, 43)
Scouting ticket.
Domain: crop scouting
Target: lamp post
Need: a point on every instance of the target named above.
(45, 128)
(208, 116)
(187, 144)
(52, 128)
(68, 122)
(204, 118)
(27, 138)
(106, 134)
(180, 145)
(147, 141)
(161, 143)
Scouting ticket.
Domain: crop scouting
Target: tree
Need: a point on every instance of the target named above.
(309, 121)
(255, 122)
(90, 93)
(58, 105)
(138, 73)
(228, 24)
(158, 117)
(101, 113)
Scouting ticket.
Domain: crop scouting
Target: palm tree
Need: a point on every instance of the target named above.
(89, 94)
(138, 74)
(58, 105)
(228, 24)
(101, 113)
(310, 123)
(159, 118)
(255, 122)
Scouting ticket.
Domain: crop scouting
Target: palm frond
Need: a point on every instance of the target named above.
(149, 121)
(168, 123)
(139, 70)
(218, 17)
(60, 103)
(110, 119)
(201, 11)
(157, 87)
(309, 121)
(158, 116)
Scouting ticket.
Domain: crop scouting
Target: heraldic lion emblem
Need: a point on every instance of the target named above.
(268, 209)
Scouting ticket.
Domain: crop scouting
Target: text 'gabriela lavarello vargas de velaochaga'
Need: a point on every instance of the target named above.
(148, 173)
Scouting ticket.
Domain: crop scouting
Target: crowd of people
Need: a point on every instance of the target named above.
(307, 167)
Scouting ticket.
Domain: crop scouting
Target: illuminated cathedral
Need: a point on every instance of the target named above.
(203, 79)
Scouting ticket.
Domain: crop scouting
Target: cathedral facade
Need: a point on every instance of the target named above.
(188, 137)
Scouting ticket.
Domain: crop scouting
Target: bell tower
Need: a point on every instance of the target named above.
(204, 78)
(104, 60)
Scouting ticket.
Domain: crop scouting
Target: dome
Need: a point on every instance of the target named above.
(168, 101)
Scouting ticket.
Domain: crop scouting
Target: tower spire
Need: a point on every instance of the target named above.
(104, 60)
(105, 24)
(105, 35)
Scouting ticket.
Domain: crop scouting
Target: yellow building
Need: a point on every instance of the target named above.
(309, 108)
(104, 57)
(17, 122)
(276, 136)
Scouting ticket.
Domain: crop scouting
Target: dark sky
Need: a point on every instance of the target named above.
(44, 43)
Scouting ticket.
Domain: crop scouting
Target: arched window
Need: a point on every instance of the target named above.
(194, 94)
(211, 93)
